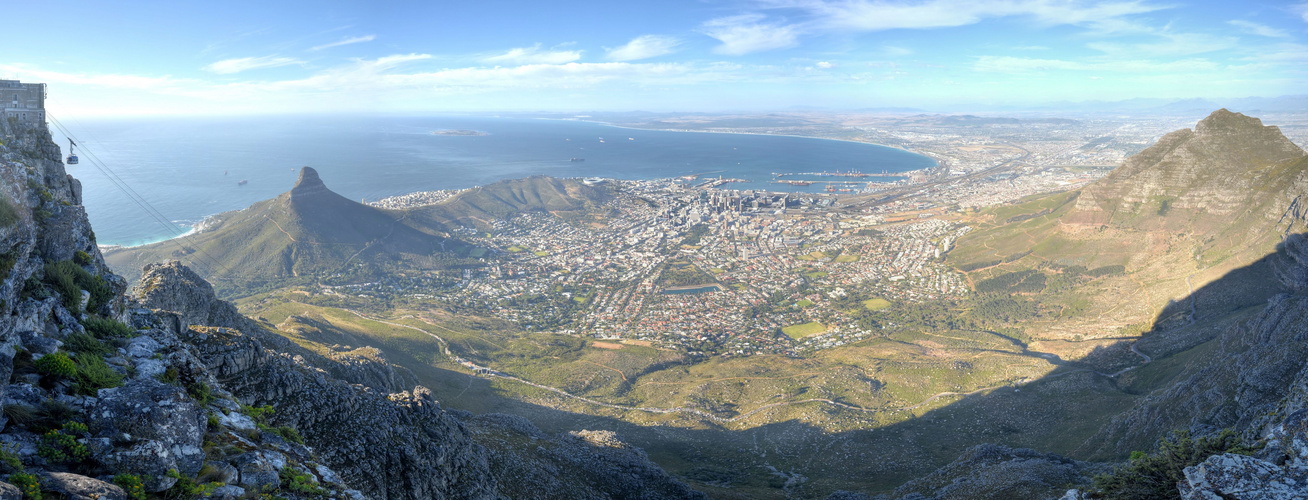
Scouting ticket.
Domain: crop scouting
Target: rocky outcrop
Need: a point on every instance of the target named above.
(991, 471)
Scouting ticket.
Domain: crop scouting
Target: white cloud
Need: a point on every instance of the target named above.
(1253, 28)
(878, 15)
(347, 41)
(644, 47)
(229, 66)
(533, 55)
(1006, 64)
(1172, 44)
(824, 65)
(745, 33)
(1302, 10)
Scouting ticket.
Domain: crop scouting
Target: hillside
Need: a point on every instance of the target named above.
(477, 207)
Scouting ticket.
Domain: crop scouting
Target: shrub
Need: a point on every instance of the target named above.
(51, 414)
(169, 376)
(82, 258)
(259, 414)
(300, 482)
(68, 278)
(9, 461)
(7, 262)
(104, 328)
(20, 414)
(1154, 476)
(87, 344)
(28, 484)
(94, 374)
(61, 446)
(131, 485)
(8, 214)
(289, 434)
(201, 392)
(57, 364)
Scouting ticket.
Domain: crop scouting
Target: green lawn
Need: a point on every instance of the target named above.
(804, 330)
(876, 304)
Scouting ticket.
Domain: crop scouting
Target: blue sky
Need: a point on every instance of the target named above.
(130, 58)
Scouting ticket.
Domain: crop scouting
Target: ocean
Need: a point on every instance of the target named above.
(189, 168)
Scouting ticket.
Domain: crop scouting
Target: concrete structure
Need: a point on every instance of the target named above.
(24, 102)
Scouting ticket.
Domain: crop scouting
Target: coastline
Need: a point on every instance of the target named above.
(607, 124)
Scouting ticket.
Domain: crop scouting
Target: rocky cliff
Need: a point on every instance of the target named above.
(110, 394)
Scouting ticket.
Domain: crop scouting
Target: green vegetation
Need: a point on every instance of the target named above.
(104, 328)
(804, 330)
(69, 279)
(1029, 281)
(56, 364)
(695, 233)
(8, 214)
(876, 304)
(300, 483)
(131, 485)
(9, 461)
(684, 273)
(201, 392)
(82, 258)
(85, 343)
(94, 374)
(1154, 475)
(29, 484)
(61, 446)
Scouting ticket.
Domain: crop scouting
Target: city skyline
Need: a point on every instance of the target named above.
(752, 55)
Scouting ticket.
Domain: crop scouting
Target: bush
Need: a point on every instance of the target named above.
(201, 392)
(57, 364)
(20, 414)
(69, 279)
(131, 485)
(8, 214)
(300, 482)
(105, 328)
(1154, 476)
(61, 446)
(28, 484)
(94, 374)
(9, 461)
(169, 376)
(82, 258)
(289, 434)
(86, 344)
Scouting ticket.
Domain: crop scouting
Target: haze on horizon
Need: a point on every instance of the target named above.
(184, 58)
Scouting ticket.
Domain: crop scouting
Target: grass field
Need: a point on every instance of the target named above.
(876, 304)
(804, 329)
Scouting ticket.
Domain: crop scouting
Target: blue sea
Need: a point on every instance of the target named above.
(191, 168)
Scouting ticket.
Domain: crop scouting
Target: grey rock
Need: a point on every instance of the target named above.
(994, 471)
(10, 492)
(40, 344)
(226, 473)
(75, 487)
(168, 421)
(227, 492)
(259, 468)
(1237, 477)
(236, 421)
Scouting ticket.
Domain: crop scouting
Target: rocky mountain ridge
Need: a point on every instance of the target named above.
(169, 391)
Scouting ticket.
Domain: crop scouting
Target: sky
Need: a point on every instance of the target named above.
(237, 57)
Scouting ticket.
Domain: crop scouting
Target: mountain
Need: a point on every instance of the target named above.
(167, 391)
(305, 231)
(479, 206)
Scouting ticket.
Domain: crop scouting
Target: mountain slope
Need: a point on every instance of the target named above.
(1182, 213)
(501, 200)
(307, 230)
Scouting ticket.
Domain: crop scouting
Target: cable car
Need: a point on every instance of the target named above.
(72, 155)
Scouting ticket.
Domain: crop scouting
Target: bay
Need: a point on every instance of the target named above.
(186, 169)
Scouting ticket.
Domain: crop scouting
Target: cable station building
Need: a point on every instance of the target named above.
(24, 102)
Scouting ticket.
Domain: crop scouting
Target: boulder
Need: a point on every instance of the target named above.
(75, 487)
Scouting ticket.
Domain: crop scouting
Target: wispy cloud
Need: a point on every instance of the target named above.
(1301, 10)
(1253, 28)
(230, 66)
(878, 15)
(1170, 45)
(533, 55)
(347, 41)
(824, 65)
(644, 47)
(746, 33)
(1006, 64)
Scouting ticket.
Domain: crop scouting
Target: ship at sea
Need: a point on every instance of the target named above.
(242, 182)
(577, 159)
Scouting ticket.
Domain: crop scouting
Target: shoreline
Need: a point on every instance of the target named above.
(689, 131)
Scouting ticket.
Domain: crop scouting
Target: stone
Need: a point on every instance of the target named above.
(227, 492)
(10, 492)
(76, 487)
(1238, 477)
